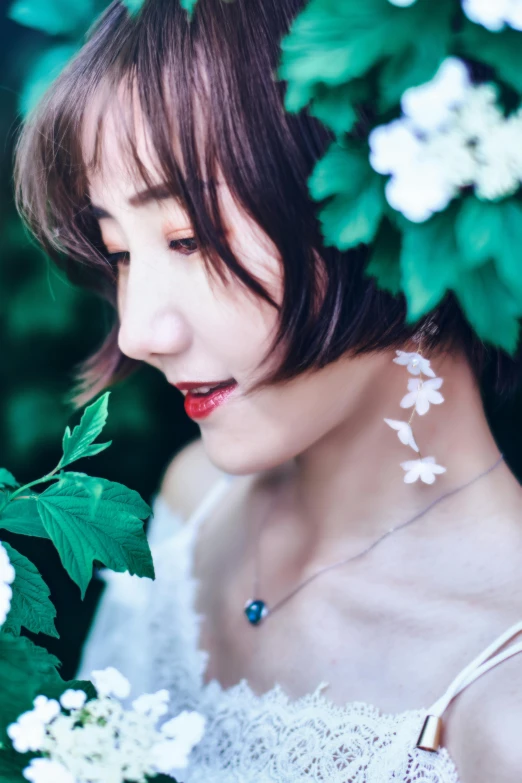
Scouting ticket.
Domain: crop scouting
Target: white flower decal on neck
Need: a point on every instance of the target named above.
(404, 432)
(421, 394)
(424, 468)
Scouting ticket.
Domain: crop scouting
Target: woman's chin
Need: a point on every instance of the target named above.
(241, 457)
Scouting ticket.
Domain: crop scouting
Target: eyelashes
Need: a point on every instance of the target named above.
(186, 246)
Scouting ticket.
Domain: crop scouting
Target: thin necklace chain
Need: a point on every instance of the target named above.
(271, 609)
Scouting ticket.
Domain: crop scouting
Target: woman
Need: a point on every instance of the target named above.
(163, 161)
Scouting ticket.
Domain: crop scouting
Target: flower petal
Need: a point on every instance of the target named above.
(422, 404)
(409, 400)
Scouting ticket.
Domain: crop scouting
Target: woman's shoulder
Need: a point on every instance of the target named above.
(188, 477)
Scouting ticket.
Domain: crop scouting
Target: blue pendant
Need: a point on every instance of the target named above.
(255, 610)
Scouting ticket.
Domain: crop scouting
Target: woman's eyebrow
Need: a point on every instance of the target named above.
(140, 199)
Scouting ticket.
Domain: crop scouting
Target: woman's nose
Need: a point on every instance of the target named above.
(151, 321)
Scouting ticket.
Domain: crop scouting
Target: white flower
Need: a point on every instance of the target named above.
(404, 432)
(28, 733)
(181, 735)
(152, 703)
(47, 771)
(424, 468)
(72, 700)
(7, 577)
(415, 363)
(402, 3)
(494, 14)
(109, 682)
(420, 191)
(422, 394)
(393, 147)
(46, 709)
(429, 106)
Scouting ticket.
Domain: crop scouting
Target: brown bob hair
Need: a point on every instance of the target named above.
(213, 77)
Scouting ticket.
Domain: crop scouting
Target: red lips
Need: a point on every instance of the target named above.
(199, 406)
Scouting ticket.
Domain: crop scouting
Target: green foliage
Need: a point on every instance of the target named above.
(31, 606)
(7, 479)
(55, 17)
(133, 6)
(78, 444)
(353, 214)
(114, 535)
(349, 61)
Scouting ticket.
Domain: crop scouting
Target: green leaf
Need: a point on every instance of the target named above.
(331, 42)
(500, 50)
(22, 517)
(133, 6)
(353, 215)
(78, 443)
(24, 667)
(188, 5)
(384, 263)
(429, 262)
(114, 535)
(489, 306)
(7, 479)
(489, 231)
(419, 61)
(336, 107)
(44, 70)
(12, 764)
(31, 606)
(54, 17)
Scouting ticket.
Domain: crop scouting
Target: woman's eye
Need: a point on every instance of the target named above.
(185, 245)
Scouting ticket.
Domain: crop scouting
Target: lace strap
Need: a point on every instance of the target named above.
(429, 738)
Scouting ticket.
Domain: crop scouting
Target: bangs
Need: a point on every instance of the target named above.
(202, 99)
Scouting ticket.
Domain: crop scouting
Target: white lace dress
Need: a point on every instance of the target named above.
(149, 630)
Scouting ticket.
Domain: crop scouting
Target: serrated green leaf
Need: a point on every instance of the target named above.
(79, 443)
(114, 535)
(384, 262)
(429, 262)
(501, 50)
(21, 516)
(419, 61)
(31, 606)
(353, 214)
(331, 42)
(336, 108)
(24, 667)
(54, 17)
(7, 479)
(489, 306)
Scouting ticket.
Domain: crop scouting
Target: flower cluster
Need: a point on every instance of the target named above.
(7, 576)
(421, 394)
(494, 15)
(100, 741)
(452, 135)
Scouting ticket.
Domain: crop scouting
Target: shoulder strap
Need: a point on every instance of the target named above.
(480, 665)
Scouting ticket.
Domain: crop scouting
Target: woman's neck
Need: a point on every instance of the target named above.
(352, 478)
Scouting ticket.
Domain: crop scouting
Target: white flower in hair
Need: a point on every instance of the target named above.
(404, 432)
(494, 14)
(430, 105)
(415, 363)
(423, 469)
(422, 394)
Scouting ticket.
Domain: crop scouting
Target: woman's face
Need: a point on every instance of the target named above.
(196, 330)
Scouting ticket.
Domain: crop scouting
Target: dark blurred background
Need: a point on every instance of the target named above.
(47, 327)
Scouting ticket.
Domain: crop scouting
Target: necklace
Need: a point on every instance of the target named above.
(257, 610)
